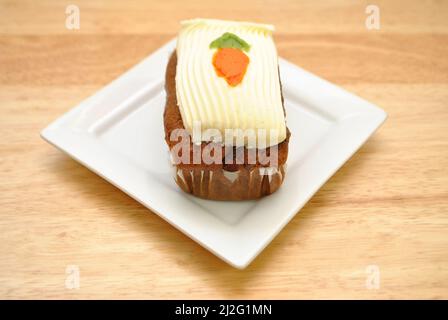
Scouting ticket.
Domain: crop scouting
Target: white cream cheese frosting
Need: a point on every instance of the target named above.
(206, 99)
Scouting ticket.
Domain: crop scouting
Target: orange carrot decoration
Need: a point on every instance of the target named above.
(229, 60)
(231, 64)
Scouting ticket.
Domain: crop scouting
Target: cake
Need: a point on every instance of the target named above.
(224, 117)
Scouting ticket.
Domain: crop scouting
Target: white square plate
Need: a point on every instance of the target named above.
(118, 133)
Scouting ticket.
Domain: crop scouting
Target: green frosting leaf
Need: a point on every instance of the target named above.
(230, 40)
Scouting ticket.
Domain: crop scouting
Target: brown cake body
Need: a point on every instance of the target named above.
(223, 181)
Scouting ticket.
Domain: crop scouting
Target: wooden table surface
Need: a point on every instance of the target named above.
(377, 229)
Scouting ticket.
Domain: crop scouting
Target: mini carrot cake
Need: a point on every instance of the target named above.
(224, 117)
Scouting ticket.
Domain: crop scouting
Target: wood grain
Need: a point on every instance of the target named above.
(387, 206)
